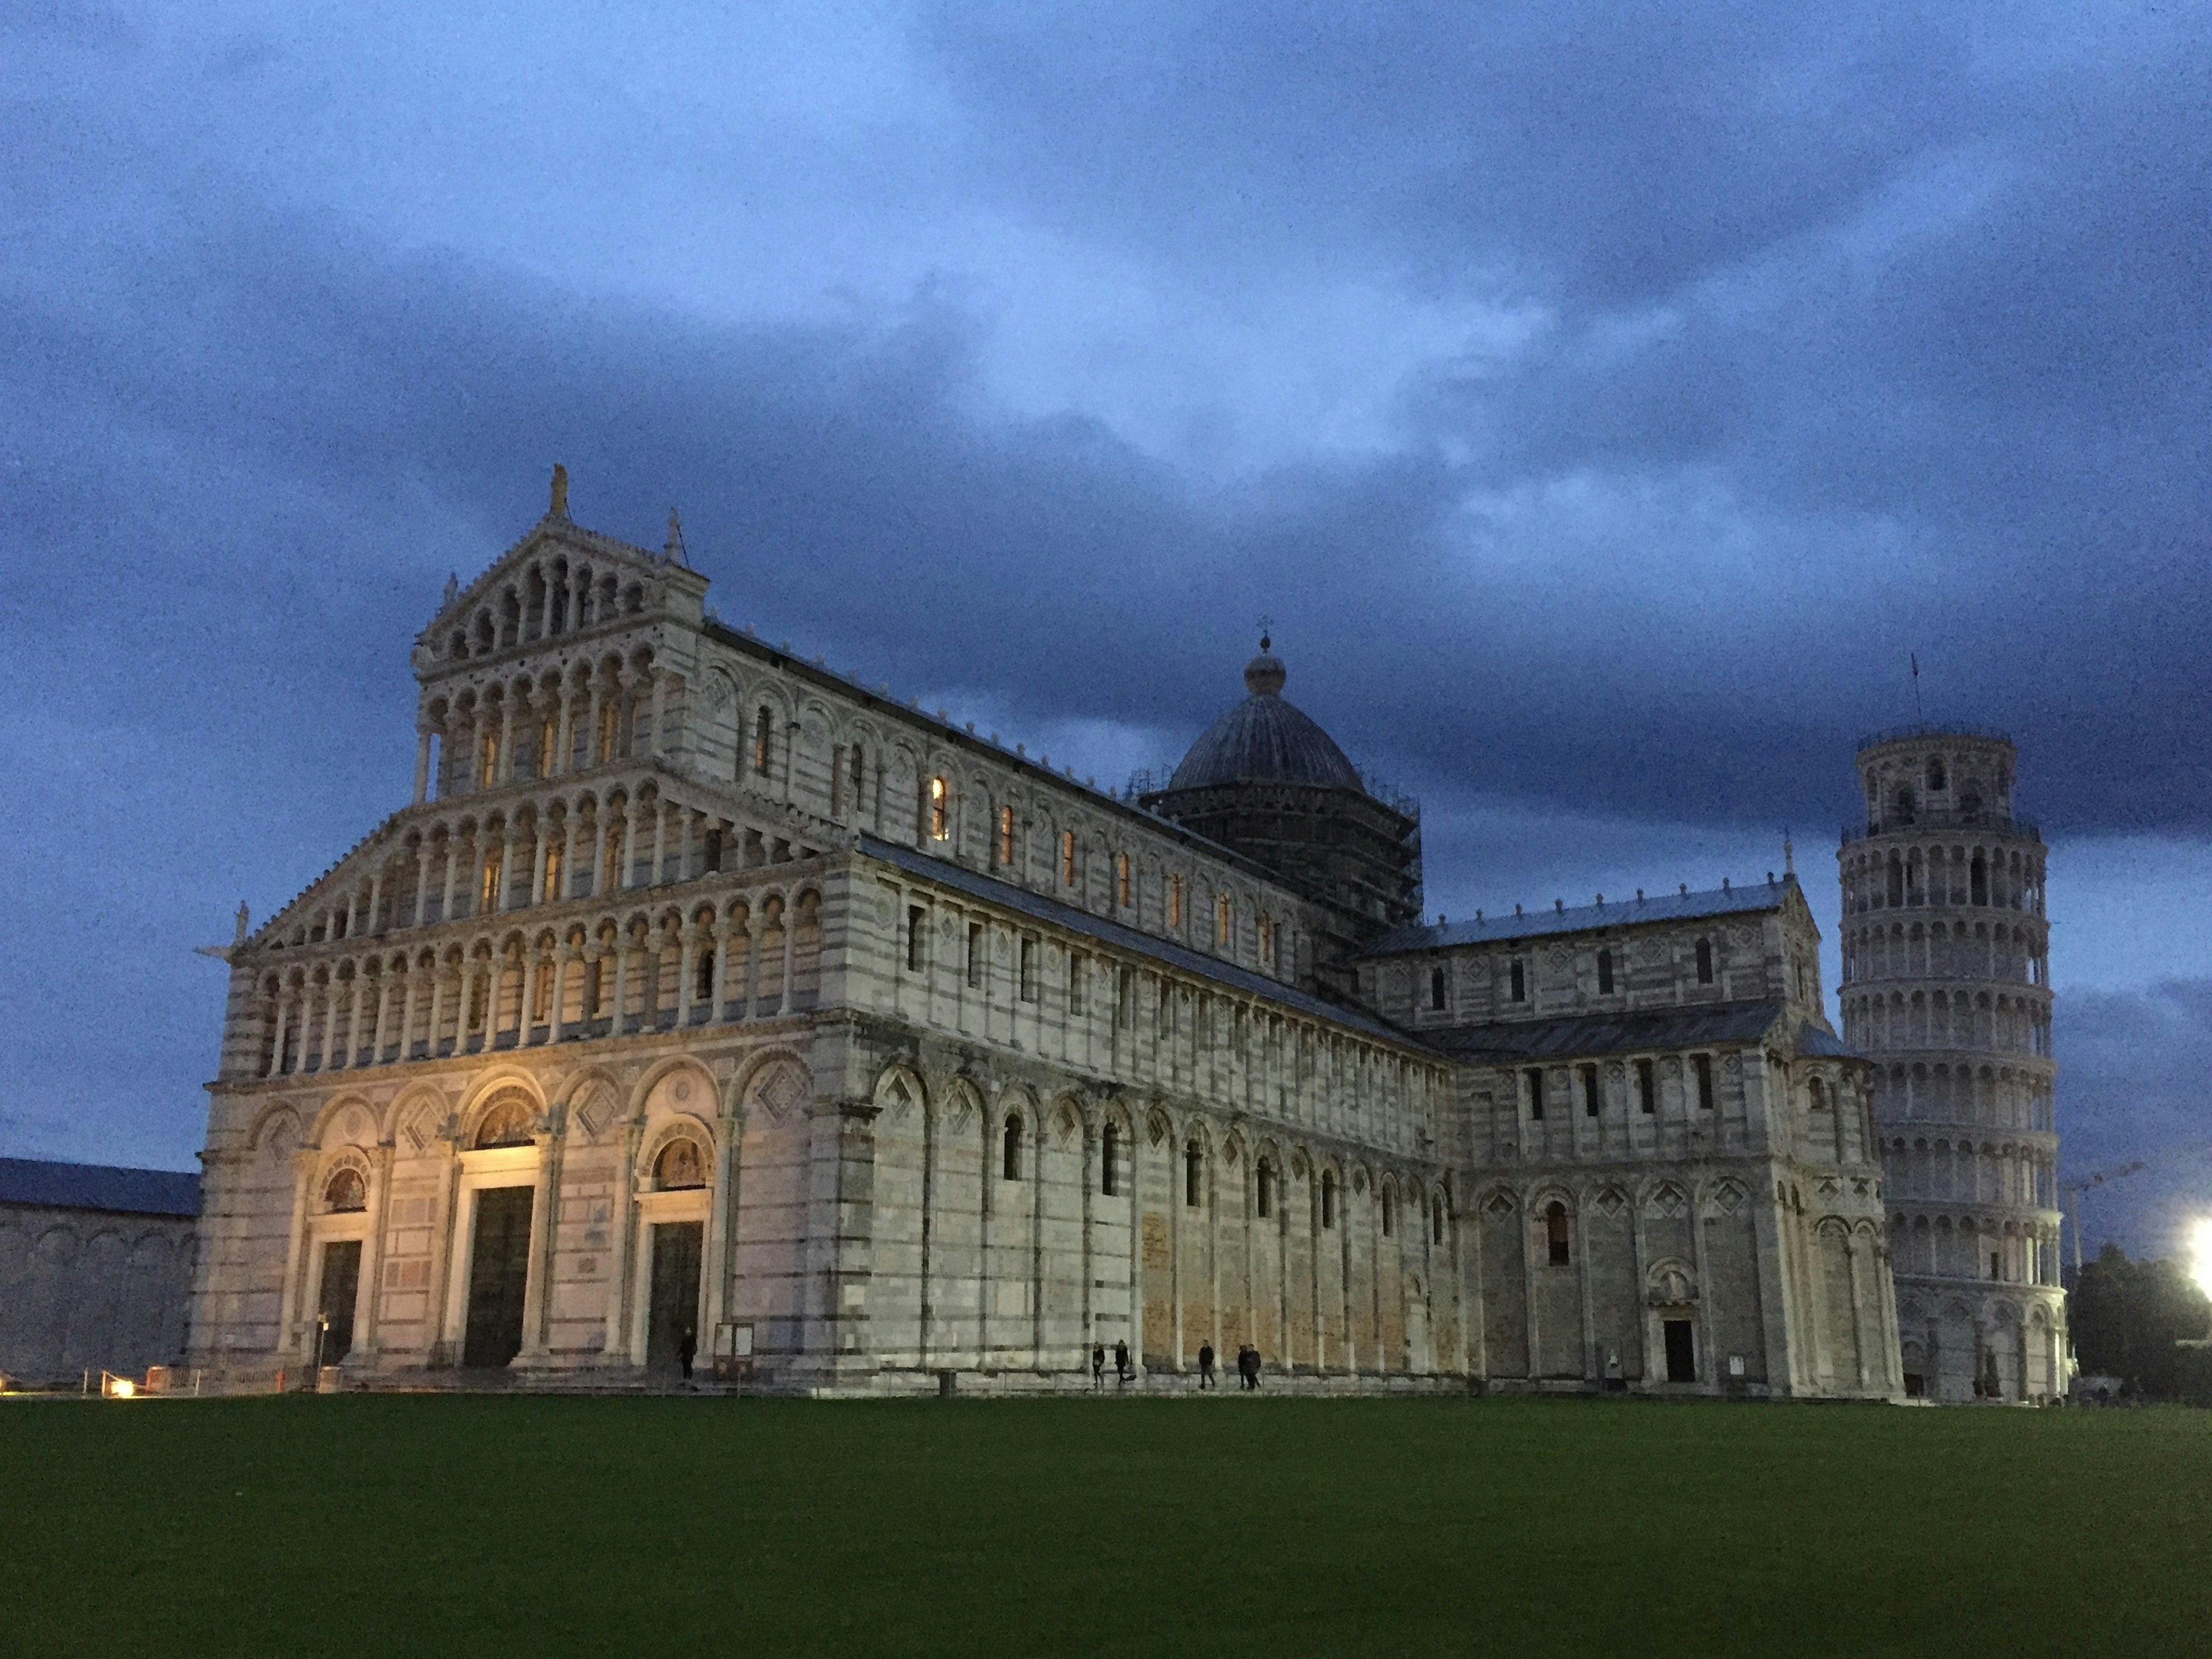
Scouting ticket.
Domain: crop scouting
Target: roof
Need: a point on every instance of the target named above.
(1581, 918)
(1052, 911)
(99, 1187)
(1576, 1035)
(1265, 740)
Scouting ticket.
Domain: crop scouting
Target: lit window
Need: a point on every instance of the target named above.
(940, 797)
(1067, 858)
(763, 744)
(1122, 879)
(1221, 918)
(488, 761)
(606, 747)
(488, 893)
(1174, 900)
(1005, 835)
(545, 748)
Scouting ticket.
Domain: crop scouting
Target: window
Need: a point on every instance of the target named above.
(1067, 858)
(763, 743)
(1535, 1078)
(1078, 968)
(917, 937)
(860, 774)
(1174, 900)
(1819, 1095)
(488, 894)
(1995, 1269)
(1704, 961)
(1555, 1235)
(1005, 835)
(488, 761)
(1904, 805)
(1437, 1219)
(1703, 1066)
(1266, 941)
(940, 810)
(1328, 1198)
(541, 1000)
(553, 859)
(1221, 918)
(606, 736)
(1589, 1090)
(1029, 978)
(1520, 981)
(1437, 989)
(1109, 1161)
(1011, 1161)
(1935, 773)
(594, 971)
(1389, 1213)
(704, 989)
(1978, 880)
(346, 1192)
(1604, 973)
(545, 766)
(1647, 1090)
(1265, 1189)
(1122, 879)
(975, 953)
(1193, 1167)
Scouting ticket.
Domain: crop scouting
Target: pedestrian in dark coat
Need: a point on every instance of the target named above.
(1206, 1365)
(1097, 1365)
(1122, 1364)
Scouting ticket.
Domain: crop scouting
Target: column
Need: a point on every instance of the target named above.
(659, 680)
(563, 954)
(282, 1013)
(730, 935)
(525, 1013)
(652, 871)
(686, 975)
(372, 1266)
(505, 900)
(625, 1224)
(713, 1273)
(351, 1057)
(790, 947)
(504, 773)
(422, 881)
(623, 951)
(537, 1277)
(329, 1024)
(288, 1312)
(539, 849)
(567, 886)
(437, 1012)
(376, 899)
(452, 874)
(422, 764)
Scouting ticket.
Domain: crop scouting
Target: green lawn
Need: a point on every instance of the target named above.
(429, 1524)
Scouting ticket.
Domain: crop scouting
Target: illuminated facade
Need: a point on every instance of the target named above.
(1947, 988)
(708, 1008)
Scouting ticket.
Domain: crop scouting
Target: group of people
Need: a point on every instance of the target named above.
(1248, 1366)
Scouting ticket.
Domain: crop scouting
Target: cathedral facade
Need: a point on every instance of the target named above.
(707, 1011)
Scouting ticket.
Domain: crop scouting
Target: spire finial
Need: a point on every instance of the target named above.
(674, 550)
(1788, 858)
(560, 508)
(239, 937)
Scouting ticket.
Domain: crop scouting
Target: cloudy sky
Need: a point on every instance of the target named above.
(1604, 402)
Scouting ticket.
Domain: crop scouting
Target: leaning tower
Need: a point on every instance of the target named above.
(1945, 988)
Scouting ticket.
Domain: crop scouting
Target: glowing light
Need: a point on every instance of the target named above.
(123, 1387)
(2200, 1254)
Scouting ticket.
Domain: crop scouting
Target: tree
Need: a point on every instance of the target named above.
(2129, 1319)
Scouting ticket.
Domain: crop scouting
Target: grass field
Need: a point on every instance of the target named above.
(444, 1525)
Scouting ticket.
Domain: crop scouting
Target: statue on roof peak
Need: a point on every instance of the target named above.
(560, 508)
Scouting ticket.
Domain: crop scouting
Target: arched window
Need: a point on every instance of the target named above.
(1005, 835)
(345, 1193)
(1556, 1235)
(1109, 1161)
(764, 742)
(1437, 987)
(1520, 979)
(1604, 973)
(1389, 1213)
(680, 1165)
(1704, 961)
(1935, 773)
(703, 990)
(507, 1124)
(1265, 1189)
(1221, 918)
(1328, 1198)
(1905, 807)
(1067, 858)
(1194, 1175)
(1978, 880)
(940, 810)
(1819, 1094)
(1122, 879)
(1437, 1219)
(1012, 1160)
(1174, 900)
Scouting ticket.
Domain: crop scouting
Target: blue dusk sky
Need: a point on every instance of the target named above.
(1605, 403)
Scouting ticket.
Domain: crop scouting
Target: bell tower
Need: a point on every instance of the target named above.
(1945, 988)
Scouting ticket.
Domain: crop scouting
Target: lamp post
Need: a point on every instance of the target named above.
(322, 1329)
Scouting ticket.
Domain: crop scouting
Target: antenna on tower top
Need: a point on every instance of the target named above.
(675, 549)
(1918, 716)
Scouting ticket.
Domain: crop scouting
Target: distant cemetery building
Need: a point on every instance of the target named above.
(95, 1268)
(708, 1007)
(1947, 988)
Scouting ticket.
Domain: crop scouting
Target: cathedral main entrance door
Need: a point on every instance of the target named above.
(341, 1283)
(499, 1268)
(672, 1324)
(1681, 1350)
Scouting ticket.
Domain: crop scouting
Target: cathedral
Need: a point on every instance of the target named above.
(708, 1013)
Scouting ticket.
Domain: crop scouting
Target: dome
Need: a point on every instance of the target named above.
(1264, 740)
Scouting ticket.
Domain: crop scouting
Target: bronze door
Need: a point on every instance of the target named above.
(672, 1326)
(341, 1281)
(1681, 1351)
(498, 1269)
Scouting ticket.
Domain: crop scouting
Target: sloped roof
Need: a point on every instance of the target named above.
(1580, 918)
(1585, 1035)
(992, 890)
(99, 1187)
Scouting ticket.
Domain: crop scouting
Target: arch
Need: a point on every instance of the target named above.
(345, 1189)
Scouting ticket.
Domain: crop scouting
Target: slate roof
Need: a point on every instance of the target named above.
(1577, 918)
(99, 1187)
(995, 891)
(1581, 1036)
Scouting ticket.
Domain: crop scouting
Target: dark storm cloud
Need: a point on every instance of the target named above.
(2132, 1070)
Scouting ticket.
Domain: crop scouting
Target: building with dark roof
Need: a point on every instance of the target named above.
(710, 1011)
(95, 1268)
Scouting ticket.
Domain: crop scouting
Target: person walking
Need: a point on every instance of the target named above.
(1097, 1366)
(1205, 1366)
(1122, 1364)
(1248, 1363)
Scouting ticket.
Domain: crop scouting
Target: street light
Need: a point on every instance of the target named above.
(2200, 1253)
